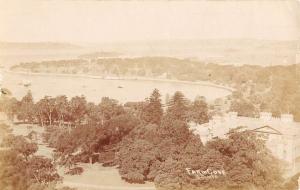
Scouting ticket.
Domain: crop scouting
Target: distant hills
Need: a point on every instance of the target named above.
(220, 51)
(37, 45)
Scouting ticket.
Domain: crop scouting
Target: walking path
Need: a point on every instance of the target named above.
(103, 187)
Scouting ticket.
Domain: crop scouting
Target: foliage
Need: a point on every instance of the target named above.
(75, 171)
(109, 108)
(198, 111)
(177, 107)
(62, 109)
(83, 142)
(147, 144)
(20, 145)
(162, 154)
(21, 170)
(146, 147)
(77, 109)
(9, 106)
(249, 160)
(152, 111)
(244, 108)
(26, 110)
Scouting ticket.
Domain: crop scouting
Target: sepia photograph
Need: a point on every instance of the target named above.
(150, 95)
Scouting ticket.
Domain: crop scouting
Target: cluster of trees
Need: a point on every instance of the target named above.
(163, 153)
(97, 137)
(60, 66)
(20, 169)
(59, 110)
(274, 89)
(151, 143)
(89, 143)
(81, 130)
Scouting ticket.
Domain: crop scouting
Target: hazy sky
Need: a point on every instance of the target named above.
(98, 21)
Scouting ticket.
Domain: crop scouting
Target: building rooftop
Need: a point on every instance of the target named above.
(220, 125)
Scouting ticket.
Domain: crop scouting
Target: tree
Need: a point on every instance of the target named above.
(198, 111)
(20, 145)
(62, 108)
(42, 170)
(135, 108)
(163, 153)
(93, 114)
(135, 161)
(240, 161)
(17, 173)
(86, 137)
(109, 108)
(153, 112)
(26, 111)
(120, 126)
(244, 108)
(248, 161)
(10, 107)
(78, 109)
(177, 107)
(40, 112)
(46, 106)
(145, 149)
(13, 164)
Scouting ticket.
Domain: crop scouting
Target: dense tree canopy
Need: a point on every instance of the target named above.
(145, 143)
(20, 169)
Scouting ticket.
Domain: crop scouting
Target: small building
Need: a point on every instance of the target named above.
(283, 133)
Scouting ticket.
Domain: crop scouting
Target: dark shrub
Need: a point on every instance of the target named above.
(75, 171)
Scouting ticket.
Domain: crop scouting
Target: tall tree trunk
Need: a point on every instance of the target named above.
(50, 119)
(61, 120)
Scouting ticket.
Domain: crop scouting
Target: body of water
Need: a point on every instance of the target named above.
(92, 88)
(95, 88)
